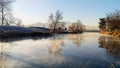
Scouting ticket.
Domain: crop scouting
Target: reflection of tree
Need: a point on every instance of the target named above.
(112, 46)
(55, 48)
(4, 54)
(76, 39)
(56, 45)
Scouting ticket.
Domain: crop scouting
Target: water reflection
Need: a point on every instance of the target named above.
(61, 51)
(57, 43)
(55, 48)
(4, 55)
(112, 48)
(76, 39)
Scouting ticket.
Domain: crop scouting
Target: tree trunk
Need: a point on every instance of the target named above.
(54, 28)
(2, 15)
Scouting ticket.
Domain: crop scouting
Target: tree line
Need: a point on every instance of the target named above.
(56, 23)
(111, 22)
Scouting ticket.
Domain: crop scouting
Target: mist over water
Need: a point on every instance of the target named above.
(87, 50)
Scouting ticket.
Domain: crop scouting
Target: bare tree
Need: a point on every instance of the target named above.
(5, 6)
(113, 20)
(9, 19)
(76, 27)
(63, 24)
(55, 19)
(19, 23)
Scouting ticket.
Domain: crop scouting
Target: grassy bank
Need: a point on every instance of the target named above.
(116, 34)
(113, 33)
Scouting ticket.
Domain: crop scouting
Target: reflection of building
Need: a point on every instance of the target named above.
(76, 39)
(112, 46)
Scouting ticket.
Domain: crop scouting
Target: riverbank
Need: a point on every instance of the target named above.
(15, 31)
(113, 33)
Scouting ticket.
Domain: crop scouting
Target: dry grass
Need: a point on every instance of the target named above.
(115, 33)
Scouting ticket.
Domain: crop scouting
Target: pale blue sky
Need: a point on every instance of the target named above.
(88, 11)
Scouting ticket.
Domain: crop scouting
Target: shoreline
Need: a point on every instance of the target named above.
(15, 31)
(113, 33)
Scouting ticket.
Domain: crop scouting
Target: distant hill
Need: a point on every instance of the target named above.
(39, 24)
(91, 27)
